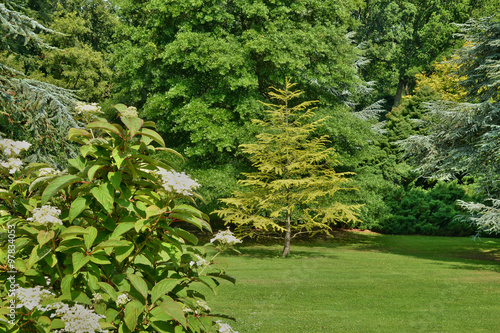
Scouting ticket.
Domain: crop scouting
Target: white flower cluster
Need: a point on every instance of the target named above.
(77, 318)
(226, 237)
(46, 172)
(31, 298)
(225, 328)
(130, 112)
(177, 182)
(12, 148)
(88, 110)
(46, 215)
(199, 262)
(203, 305)
(13, 164)
(122, 300)
(97, 297)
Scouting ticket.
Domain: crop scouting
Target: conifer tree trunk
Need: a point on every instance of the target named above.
(286, 248)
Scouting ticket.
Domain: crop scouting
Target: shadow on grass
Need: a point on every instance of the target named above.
(457, 252)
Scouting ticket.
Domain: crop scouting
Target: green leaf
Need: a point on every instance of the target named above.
(77, 207)
(75, 133)
(163, 287)
(209, 282)
(73, 230)
(226, 277)
(56, 185)
(161, 326)
(123, 252)
(139, 284)
(75, 296)
(133, 125)
(121, 229)
(115, 178)
(67, 283)
(109, 290)
(119, 156)
(79, 260)
(103, 125)
(37, 254)
(100, 259)
(90, 237)
(93, 170)
(153, 135)
(57, 324)
(133, 310)
(174, 310)
(186, 235)
(105, 195)
(44, 236)
(186, 217)
(111, 243)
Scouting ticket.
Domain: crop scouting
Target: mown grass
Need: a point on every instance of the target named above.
(359, 282)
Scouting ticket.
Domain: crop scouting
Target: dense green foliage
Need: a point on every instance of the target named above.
(426, 212)
(102, 237)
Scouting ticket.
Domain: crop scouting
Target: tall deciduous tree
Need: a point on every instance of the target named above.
(293, 188)
(404, 37)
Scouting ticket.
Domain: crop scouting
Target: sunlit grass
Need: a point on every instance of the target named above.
(365, 283)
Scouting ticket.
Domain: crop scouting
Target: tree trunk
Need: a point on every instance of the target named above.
(399, 93)
(286, 249)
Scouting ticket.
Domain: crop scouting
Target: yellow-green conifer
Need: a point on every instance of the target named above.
(292, 191)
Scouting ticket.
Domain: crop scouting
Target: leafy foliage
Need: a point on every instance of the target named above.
(110, 239)
(426, 212)
(293, 188)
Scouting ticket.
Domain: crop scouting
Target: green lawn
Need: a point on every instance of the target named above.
(361, 282)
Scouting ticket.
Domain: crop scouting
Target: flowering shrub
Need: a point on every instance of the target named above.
(98, 247)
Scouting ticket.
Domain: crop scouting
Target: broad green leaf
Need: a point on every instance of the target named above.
(105, 195)
(100, 259)
(111, 243)
(56, 185)
(77, 207)
(50, 259)
(103, 125)
(108, 289)
(67, 283)
(75, 133)
(57, 324)
(93, 170)
(90, 237)
(123, 252)
(121, 229)
(163, 287)
(73, 230)
(44, 236)
(153, 135)
(186, 217)
(154, 211)
(186, 235)
(226, 277)
(173, 309)
(79, 260)
(161, 326)
(133, 125)
(37, 254)
(115, 178)
(133, 310)
(139, 284)
(75, 296)
(119, 156)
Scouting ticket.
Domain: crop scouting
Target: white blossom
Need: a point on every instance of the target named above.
(31, 298)
(12, 148)
(97, 297)
(225, 328)
(13, 164)
(130, 112)
(200, 262)
(177, 182)
(46, 215)
(46, 172)
(203, 305)
(77, 318)
(122, 300)
(88, 110)
(225, 237)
